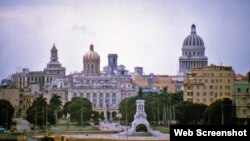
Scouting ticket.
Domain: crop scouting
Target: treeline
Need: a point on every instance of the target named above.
(169, 108)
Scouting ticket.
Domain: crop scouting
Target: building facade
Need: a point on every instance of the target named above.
(207, 84)
(35, 81)
(241, 99)
(154, 83)
(193, 52)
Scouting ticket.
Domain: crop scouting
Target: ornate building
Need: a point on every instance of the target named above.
(104, 91)
(193, 52)
(35, 81)
(54, 68)
(91, 62)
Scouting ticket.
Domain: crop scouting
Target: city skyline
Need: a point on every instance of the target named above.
(143, 33)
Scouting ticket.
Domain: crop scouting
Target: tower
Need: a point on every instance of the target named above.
(54, 68)
(193, 52)
(112, 62)
(91, 62)
(53, 54)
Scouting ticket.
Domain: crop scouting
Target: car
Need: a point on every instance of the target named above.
(2, 129)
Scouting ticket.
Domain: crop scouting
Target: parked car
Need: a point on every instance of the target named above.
(2, 129)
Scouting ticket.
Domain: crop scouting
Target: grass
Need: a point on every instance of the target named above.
(163, 129)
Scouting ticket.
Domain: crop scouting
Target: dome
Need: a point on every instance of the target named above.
(91, 54)
(193, 39)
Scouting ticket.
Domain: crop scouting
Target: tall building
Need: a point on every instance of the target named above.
(207, 84)
(91, 62)
(193, 52)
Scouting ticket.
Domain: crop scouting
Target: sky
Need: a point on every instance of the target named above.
(146, 33)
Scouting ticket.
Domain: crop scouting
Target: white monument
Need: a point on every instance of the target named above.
(140, 116)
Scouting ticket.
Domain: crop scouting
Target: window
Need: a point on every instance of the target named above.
(81, 95)
(74, 94)
(198, 94)
(238, 90)
(211, 87)
(211, 93)
(247, 90)
(204, 94)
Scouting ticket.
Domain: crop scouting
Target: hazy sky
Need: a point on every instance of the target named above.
(147, 33)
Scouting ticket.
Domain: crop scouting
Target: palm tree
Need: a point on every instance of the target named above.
(55, 105)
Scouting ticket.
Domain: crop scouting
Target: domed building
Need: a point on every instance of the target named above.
(91, 62)
(193, 52)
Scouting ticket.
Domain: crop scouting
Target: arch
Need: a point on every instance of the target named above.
(141, 128)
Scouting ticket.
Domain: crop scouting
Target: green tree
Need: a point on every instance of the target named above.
(220, 112)
(190, 113)
(80, 109)
(140, 92)
(6, 113)
(127, 108)
(36, 114)
(54, 107)
(158, 107)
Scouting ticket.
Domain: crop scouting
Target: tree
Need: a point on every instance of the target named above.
(190, 113)
(140, 92)
(6, 113)
(36, 114)
(80, 109)
(220, 112)
(54, 107)
(127, 108)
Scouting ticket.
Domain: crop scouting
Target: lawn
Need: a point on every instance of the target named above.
(163, 129)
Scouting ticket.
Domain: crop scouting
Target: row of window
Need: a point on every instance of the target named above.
(212, 74)
(192, 53)
(211, 94)
(210, 87)
(212, 81)
(94, 95)
(239, 90)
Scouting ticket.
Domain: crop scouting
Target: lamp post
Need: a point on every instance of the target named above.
(92, 120)
(127, 118)
(119, 115)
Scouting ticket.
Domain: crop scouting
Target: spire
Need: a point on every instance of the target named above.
(193, 29)
(53, 56)
(54, 47)
(91, 47)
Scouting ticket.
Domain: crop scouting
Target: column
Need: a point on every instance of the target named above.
(97, 99)
(91, 98)
(105, 115)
